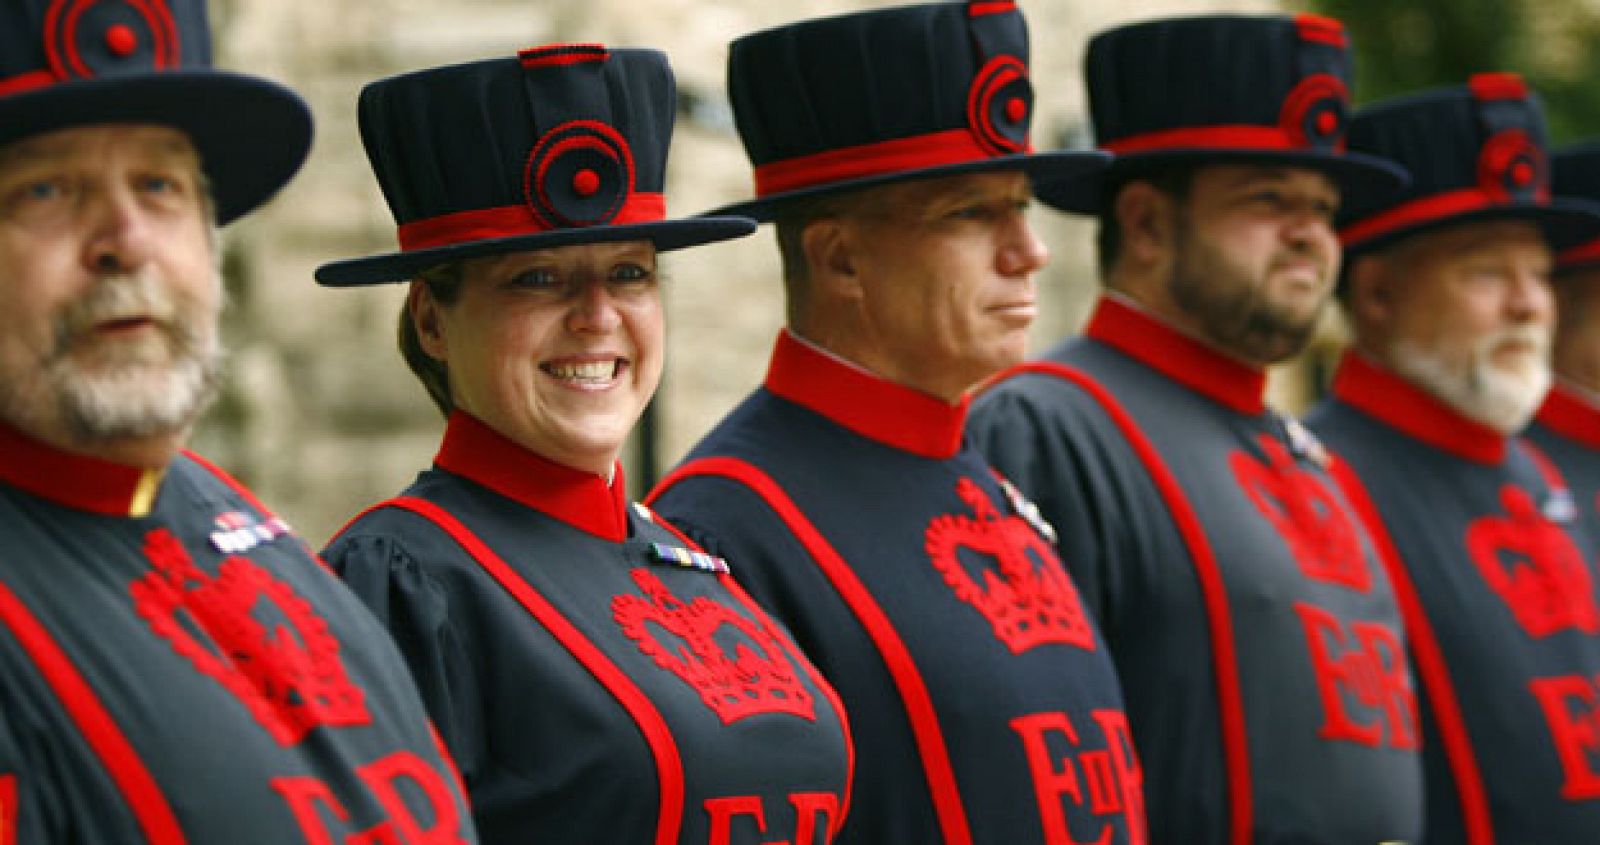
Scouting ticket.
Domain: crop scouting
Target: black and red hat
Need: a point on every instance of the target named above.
(1222, 88)
(1575, 173)
(1475, 152)
(557, 145)
(71, 63)
(854, 101)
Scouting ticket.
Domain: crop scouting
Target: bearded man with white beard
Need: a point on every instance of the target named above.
(1448, 293)
(176, 665)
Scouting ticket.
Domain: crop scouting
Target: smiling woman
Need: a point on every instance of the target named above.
(595, 675)
(559, 349)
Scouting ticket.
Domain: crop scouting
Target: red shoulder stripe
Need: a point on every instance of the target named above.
(1224, 655)
(902, 669)
(99, 729)
(669, 766)
(1430, 664)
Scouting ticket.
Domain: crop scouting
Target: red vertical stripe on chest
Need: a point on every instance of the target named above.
(669, 765)
(1430, 665)
(908, 681)
(800, 659)
(1213, 591)
(95, 723)
(8, 810)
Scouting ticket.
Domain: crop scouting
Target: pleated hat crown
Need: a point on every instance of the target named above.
(857, 100)
(73, 63)
(558, 145)
(1475, 152)
(1223, 88)
(1575, 173)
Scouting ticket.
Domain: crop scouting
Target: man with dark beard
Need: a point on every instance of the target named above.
(176, 664)
(1449, 298)
(1258, 641)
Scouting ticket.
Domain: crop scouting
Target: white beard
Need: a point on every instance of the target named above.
(1502, 399)
(132, 388)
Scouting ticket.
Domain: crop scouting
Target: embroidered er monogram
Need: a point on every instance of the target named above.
(251, 633)
(1534, 567)
(687, 639)
(1321, 535)
(1024, 592)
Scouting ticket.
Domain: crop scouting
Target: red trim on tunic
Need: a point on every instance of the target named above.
(8, 810)
(924, 720)
(1572, 415)
(899, 155)
(77, 481)
(150, 808)
(879, 410)
(580, 499)
(669, 766)
(1213, 592)
(799, 658)
(483, 224)
(1430, 662)
(1204, 369)
(1399, 404)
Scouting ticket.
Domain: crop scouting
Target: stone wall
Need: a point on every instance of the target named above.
(321, 416)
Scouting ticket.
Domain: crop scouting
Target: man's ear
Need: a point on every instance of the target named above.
(425, 318)
(1147, 217)
(830, 245)
(1369, 293)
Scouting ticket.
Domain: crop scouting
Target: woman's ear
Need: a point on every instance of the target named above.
(426, 319)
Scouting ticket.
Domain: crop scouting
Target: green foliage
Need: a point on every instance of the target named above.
(1406, 45)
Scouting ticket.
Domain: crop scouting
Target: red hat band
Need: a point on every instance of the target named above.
(1314, 115)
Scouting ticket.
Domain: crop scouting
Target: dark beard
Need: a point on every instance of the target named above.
(1236, 320)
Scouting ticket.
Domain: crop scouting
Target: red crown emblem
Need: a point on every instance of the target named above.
(286, 670)
(1320, 533)
(1535, 568)
(758, 678)
(1029, 601)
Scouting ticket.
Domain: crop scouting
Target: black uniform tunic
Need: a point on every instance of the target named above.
(175, 666)
(1501, 607)
(1567, 432)
(1259, 644)
(984, 705)
(593, 681)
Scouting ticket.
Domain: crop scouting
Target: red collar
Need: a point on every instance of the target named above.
(879, 410)
(581, 499)
(1573, 414)
(1185, 360)
(76, 481)
(1402, 405)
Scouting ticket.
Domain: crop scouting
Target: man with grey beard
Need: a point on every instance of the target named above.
(176, 664)
(1259, 645)
(1449, 297)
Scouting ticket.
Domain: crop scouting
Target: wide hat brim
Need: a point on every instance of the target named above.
(1362, 179)
(252, 134)
(1069, 168)
(1565, 222)
(666, 235)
